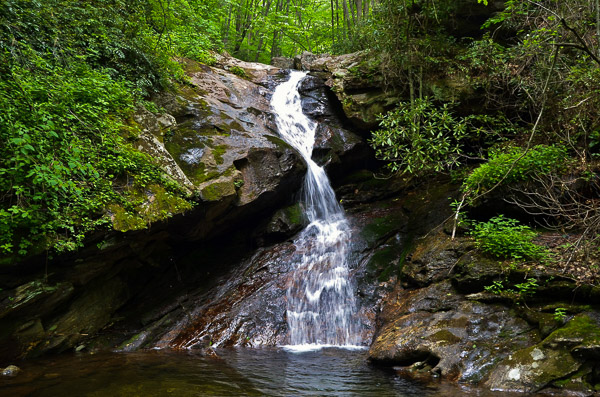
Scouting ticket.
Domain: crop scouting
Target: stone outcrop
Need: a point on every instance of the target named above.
(216, 136)
(442, 321)
(357, 83)
(245, 307)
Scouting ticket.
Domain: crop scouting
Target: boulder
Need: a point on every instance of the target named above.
(558, 360)
(282, 62)
(11, 370)
(336, 144)
(458, 338)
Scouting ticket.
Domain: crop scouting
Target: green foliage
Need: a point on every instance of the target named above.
(115, 35)
(66, 156)
(515, 165)
(527, 288)
(518, 292)
(507, 239)
(560, 314)
(422, 137)
(238, 71)
(194, 29)
(70, 76)
(419, 137)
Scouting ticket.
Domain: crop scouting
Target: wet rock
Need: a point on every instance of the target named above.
(245, 309)
(364, 92)
(85, 316)
(473, 272)
(335, 145)
(557, 358)
(11, 370)
(255, 72)
(284, 223)
(357, 83)
(531, 369)
(34, 297)
(282, 62)
(306, 61)
(460, 339)
(247, 305)
(432, 260)
(226, 143)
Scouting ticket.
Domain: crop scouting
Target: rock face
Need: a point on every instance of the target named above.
(216, 136)
(246, 307)
(223, 143)
(440, 320)
(360, 85)
(356, 81)
(460, 339)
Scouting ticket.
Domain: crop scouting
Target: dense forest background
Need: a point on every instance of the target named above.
(72, 74)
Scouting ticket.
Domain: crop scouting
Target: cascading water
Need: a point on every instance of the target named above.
(321, 306)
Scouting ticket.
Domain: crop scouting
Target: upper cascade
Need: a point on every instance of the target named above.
(321, 307)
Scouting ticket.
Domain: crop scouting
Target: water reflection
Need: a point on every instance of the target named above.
(237, 372)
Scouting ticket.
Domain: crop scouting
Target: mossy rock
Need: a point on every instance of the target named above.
(34, 297)
(383, 227)
(558, 358)
(218, 190)
(531, 369)
(147, 205)
(383, 263)
(473, 272)
(581, 334)
(286, 222)
(123, 220)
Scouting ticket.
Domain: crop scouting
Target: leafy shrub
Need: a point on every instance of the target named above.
(506, 238)
(419, 137)
(515, 165)
(65, 156)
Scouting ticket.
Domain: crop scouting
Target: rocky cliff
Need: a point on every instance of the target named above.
(216, 273)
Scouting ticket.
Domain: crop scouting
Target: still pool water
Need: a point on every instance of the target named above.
(236, 372)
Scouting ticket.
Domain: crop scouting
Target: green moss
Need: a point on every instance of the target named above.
(218, 152)
(277, 141)
(143, 207)
(581, 327)
(381, 264)
(294, 214)
(123, 220)
(162, 204)
(238, 71)
(444, 337)
(381, 227)
(217, 191)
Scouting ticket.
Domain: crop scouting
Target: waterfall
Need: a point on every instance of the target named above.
(321, 307)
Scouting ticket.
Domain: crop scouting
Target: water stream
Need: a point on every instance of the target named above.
(321, 305)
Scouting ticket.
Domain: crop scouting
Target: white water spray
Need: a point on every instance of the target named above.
(321, 306)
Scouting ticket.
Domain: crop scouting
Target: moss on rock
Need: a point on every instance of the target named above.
(217, 190)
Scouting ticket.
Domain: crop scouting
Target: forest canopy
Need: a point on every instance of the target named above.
(72, 74)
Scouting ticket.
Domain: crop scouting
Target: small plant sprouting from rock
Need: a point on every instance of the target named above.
(238, 71)
(518, 292)
(560, 314)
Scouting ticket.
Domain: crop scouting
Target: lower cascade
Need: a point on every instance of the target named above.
(321, 307)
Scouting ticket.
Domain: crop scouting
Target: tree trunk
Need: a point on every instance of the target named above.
(332, 24)
(598, 25)
(347, 19)
(266, 5)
